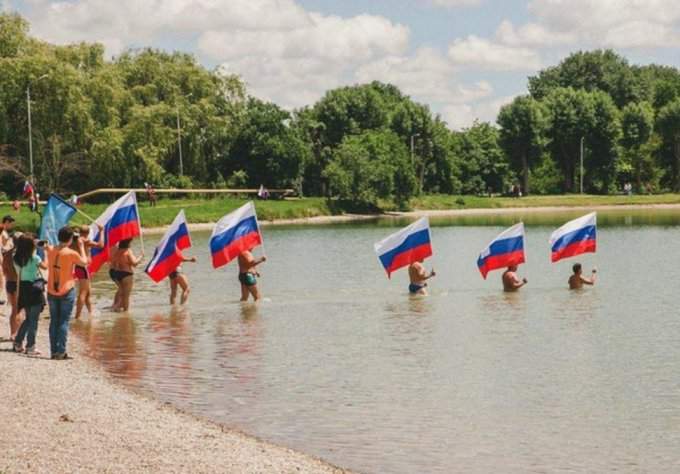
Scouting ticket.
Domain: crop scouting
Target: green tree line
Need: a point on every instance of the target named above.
(99, 123)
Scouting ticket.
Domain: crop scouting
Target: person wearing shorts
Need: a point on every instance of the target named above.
(180, 280)
(247, 275)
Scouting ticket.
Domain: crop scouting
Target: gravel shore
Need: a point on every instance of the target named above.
(69, 417)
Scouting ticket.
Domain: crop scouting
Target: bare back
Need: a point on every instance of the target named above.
(510, 281)
(417, 273)
(245, 262)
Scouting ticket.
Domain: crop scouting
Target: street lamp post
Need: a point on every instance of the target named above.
(179, 139)
(30, 133)
(582, 138)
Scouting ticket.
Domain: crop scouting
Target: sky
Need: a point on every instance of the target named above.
(463, 58)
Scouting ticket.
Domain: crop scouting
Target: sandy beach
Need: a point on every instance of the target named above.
(69, 416)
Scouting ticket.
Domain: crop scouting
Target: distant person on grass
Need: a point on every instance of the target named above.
(82, 274)
(61, 292)
(180, 280)
(30, 294)
(577, 280)
(247, 274)
(418, 277)
(511, 281)
(123, 263)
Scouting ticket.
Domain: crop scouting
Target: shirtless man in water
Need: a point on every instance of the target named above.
(247, 274)
(511, 281)
(577, 280)
(418, 276)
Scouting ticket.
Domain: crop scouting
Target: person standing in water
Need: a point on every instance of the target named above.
(123, 262)
(81, 273)
(511, 281)
(247, 275)
(180, 280)
(418, 277)
(577, 280)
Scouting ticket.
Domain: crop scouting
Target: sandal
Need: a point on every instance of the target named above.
(33, 352)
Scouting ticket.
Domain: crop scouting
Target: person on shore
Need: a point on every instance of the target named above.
(418, 278)
(61, 292)
(247, 274)
(577, 280)
(123, 263)
(10, 278)
(180, 280)
(30, 294)
(5, 245)
(511, 281)
(82, 274)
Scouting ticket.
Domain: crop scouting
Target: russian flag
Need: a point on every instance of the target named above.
(505, 250)
(574, 238)
(235, 233)
(409, 245)
(168, 254)
(120, 221)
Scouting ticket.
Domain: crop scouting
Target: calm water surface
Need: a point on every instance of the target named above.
(341, 363)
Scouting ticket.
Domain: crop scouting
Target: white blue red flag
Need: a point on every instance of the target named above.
(505, 250)
(168, 254)
(574, 238)
(120, 221)
(409, 245)
(233, 234)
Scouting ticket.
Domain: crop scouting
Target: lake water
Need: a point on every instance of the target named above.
(340, 362)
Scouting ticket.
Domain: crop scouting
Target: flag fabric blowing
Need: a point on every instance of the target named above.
(120, 221)
(235, 233)
(409, 245)
(505, 250)
(57, 214)
(168, 254)
(574, 238)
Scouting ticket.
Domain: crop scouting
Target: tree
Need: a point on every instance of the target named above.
(482, 165)
(637, 124)
(267, 148)
(602, 70)
(369, 168)
(523, 124)
(668, 128)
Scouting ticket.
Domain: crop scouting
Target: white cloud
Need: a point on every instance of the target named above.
(532, 34)
(427, 76)
(454, 3)
(488, 55)
(613, 23)
(459, 116)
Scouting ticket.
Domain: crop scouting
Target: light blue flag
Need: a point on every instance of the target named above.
(57, 214)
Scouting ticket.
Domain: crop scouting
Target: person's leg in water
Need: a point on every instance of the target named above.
(183, 283)
(244, 292)
(83, 288)
(173, 290)
(126, 291)
(254, 291)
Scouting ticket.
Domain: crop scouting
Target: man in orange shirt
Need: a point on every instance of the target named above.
(61, 293)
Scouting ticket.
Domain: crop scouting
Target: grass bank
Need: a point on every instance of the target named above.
(210, 210)
(197, 211)
(442, 202)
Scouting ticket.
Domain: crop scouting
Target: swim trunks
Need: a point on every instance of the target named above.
(174, 275)
(247, 279)
(81, 273)
(413, 288)
(119, 275)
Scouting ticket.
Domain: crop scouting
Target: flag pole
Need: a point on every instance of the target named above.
(86, 216)
(139, 221)
(264, 252)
